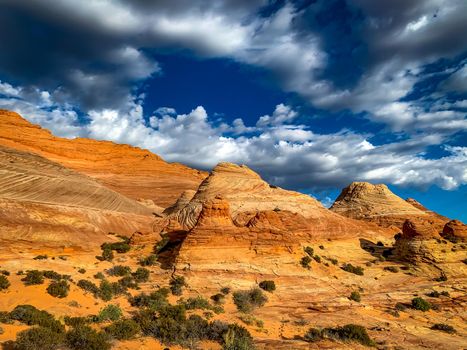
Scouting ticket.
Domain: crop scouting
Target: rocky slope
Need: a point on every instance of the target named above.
(47, 204)
(131, 171)
(376, 203)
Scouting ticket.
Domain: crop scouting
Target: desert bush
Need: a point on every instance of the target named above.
(380, 244)
(150, 260)
(125, 283)
(5, 317)
(400, 307)
(442, 278)
(218, 298)
(309, 251)
(106, 290)
(251, 320)
(33, 277)
(88, 286)
(5, 272)
(434, 294)
(305, 262)
(99, 276)
(123, 329)
(420, 304)
(445, 293)
(154, 301)
(317, 258)
(248, 300)
(391, 269)
(58, 289)
(119, 270)
(109, 313)
(333, 261)
(161, 244)
(349, 332)
(38, 338)
(41, 257)
(176, 285)
(30, 315)
(237, 338)
(197, 303)
(81, 270)
(141, 274)
(170, 325)
(443, 327)
(225, 290)
(107, 253)
(77, 321)
(52, 275)
(268, 286)
(355, 296)
(84, 337)
(4, 283)
(357, 270)
(120, 247)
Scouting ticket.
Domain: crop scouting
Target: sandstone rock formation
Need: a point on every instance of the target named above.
(376, 203)
(247, 194)
(417, 241)
(455, 230)
(45, 203)
(131, 171)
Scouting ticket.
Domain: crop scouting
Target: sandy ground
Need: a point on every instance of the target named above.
(303, 299)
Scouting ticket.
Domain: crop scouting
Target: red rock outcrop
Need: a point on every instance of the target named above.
(376, 203)
(131, 171)
(46, 204)
(419, 229)
(455, 230)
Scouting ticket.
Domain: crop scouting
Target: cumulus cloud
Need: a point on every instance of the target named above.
(289, 155)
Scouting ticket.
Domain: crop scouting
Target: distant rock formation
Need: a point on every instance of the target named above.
(376, 203)
(131, 171)
(455, 230)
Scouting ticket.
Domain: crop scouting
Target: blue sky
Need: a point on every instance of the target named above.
(311, 94)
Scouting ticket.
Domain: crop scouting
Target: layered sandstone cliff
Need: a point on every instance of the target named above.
(131, 171)
(47, 204)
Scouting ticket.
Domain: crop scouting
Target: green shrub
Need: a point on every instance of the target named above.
(333, 261)
(305, 262)
(225, 290)
(38, 338)
(106, 290)
(141, 274)
(251, 320)
(110, 313)
(52, 275)
(84, 337)
(30, 315)
(309, 251)
(41, 257)
(248, 300)
(355, 296)
(154, 301)
(420, 304)
(218, 298)
(88, 286)
(349, 332)
(99, 276)
(58, 289)
(123, 329)
(317, 258)
(120, 247)
(4, 283)
(400, 307)
(391, 269)
(197, 303)
(268, 286)
(150, 260)
(5, 272)
(81, 270)
(442, 278)
(237, 338)
(434, 294)
(357, 270)
(33, 277)
(77, 321)
(176, 285)
(119, 270)
(5, 317)
(321, 247)
(161, 244)
(169, 327)
(443, 327)
(125, 283)
(107, 253)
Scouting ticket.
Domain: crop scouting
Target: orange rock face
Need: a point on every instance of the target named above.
(131, 171)
(419, 229)
(376, 203)
(455, 229)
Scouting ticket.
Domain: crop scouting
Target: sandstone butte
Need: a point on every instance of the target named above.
(236, 215)
(131, 171)
(376, 203)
